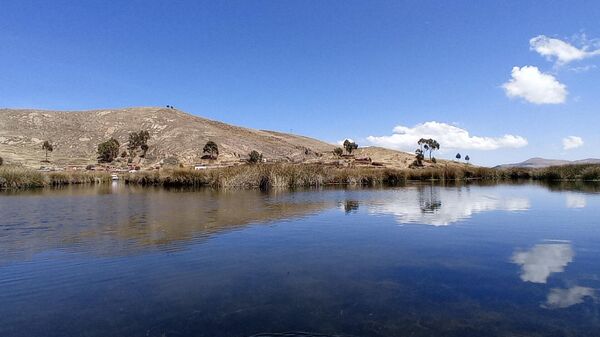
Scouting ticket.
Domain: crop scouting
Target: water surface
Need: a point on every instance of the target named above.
(420, 260)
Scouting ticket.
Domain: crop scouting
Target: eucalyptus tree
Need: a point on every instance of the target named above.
(47, 146)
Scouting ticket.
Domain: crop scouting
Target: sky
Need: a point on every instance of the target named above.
(500, 81)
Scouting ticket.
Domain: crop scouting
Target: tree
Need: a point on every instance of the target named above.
(48, 148)
(467, 158)
(108, 151)
(419, 157)
(458, 156)
(338, 151)
(432, 145)
(350, 146)
(422, 143)
(144, 148)
(429, 145)
(1, 161)
(255, 157)
(212, 149)
(138, 140)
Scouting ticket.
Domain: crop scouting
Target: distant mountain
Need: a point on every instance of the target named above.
(542, 162)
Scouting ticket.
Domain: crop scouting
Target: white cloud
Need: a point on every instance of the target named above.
(449, 136)
(559, 50)
(529, 83)
(542, 260)
(564, 298)
(572, 142)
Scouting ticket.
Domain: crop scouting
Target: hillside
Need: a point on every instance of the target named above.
(173, 133)
(542, 162)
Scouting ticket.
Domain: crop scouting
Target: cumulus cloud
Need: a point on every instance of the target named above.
(534, 86)
(542, 260)
(449, 136)
(560, 51)
(564, 298)
(572, 142)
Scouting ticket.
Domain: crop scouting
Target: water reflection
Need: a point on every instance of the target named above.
(538, 263)
(118, 261)
(575, 200)
(563, 298)
(443, 206)
(116, 219)
(350, 206)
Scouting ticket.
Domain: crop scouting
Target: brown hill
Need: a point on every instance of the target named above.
(173, 133)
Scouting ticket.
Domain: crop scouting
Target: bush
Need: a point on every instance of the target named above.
(255, 157)
(1, 161)
(108, 151)
(212, 149)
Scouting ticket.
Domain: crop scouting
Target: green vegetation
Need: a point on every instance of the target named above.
(419, 157)
(108, 151)
(212, 149)
(350, 146)
(304, 175)
(458, 156)
(255, 157)
(17, 177)
(47, 146)
(138, 140)
(338, 151)
(467, 158)
(428, 145)
(296, 175)
(1, 161)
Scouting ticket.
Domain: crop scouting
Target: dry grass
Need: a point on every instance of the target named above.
(17, 177)
(290, 176)
(267, 176)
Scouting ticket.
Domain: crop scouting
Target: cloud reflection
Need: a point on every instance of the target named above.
(564, 298)
(441, 207)
(576, 200)
(542, 260)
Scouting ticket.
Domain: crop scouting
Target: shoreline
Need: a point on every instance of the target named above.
(266, 176)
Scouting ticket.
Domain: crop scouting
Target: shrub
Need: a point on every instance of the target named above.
(108, 151)
(255, 157)
(212, 149)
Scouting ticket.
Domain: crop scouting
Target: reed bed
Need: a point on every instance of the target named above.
(17, 177)
(291, 176)
(266, 176)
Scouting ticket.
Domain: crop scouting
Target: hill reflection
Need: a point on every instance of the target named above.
(111, 220)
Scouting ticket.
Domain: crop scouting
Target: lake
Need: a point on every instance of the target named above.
(419, 260)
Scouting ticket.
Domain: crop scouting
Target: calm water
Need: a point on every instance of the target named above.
(422, 260)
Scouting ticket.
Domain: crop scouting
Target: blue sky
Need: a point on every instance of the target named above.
(325, 69)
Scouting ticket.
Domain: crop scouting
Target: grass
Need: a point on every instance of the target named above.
(267, 176)
(17, 177)
(291, 176)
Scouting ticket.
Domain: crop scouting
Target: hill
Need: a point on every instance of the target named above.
(542, 162)
(173, 133)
